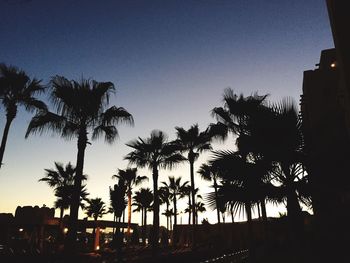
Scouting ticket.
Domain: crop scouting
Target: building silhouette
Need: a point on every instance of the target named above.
(325, 109)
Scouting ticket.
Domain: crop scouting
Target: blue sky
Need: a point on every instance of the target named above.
(170, 62)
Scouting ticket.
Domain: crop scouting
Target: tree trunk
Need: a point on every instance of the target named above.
(155, 229)
(191, 160)
(9, 118)
(144, 226)
(190, 209)
(192, 192)
(175, 222)
(263, 210)
(232, 215)
(61, 218)
(70, 246)
(216, 199)
(123, 221)
(129, 213)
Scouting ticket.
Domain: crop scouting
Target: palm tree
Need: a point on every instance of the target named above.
(208, 173)
(193, 142)
(176, 189)
(80, 108)
(188, 192)
(117, 202)
(154, 153)
(130, 179)
(61, 179)
(96, 208)
(164, 198)
(200, 208)
(143, 199)
(17, 89)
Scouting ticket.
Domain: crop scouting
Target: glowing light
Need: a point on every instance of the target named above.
(20, 230)
(65, 230)
(333, 65)
(97, 247)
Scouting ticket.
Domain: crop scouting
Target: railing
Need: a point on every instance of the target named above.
(234, 257)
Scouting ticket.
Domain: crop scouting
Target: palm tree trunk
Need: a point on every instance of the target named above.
(9, 119)
(216, 199)
(74, 208)
(191, 160)
(144, 226)
(129, 213)
(123, 220)
(232, 215)
(190, 209)
(263, 210)
(175, 222)
(61, 218)
(175, 211)
(155, 229)
(192, 192)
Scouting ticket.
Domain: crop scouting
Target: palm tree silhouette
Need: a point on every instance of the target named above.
(143, 201)
(117, 201)
(96, 208)
(62, 180)
(208, 173)
(200, 208)
(193, 142)
(17, 89)
(80, 108)
(164, 198)
(130, 179)
(154, 153)
(176, 189)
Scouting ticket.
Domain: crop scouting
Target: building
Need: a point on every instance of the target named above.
(327, 147)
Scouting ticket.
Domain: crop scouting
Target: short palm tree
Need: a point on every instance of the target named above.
(200, 208)
(17, 89)
(61, 179)
(143, 199)
(117, 201)
(193, 142)
(130, 179)
(81, 107)
(154, 153)
(209, 173)
(176, 189)
(96, 208)
(164, 198)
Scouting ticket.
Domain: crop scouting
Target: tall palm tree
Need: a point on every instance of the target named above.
(193, 142)
(154, 153)
(17, 89)
(208, 173)
(143, 199)
(130, 179)
(61, 179)
(176, 189)
(81, 107)
(96, 208)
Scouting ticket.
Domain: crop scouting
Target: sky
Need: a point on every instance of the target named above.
(170, 62)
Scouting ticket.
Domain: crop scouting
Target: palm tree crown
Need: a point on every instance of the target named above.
(17, 89)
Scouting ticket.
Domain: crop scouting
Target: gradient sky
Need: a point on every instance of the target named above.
(170, 62)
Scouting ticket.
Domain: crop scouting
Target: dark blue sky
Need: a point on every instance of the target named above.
(170, 61)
